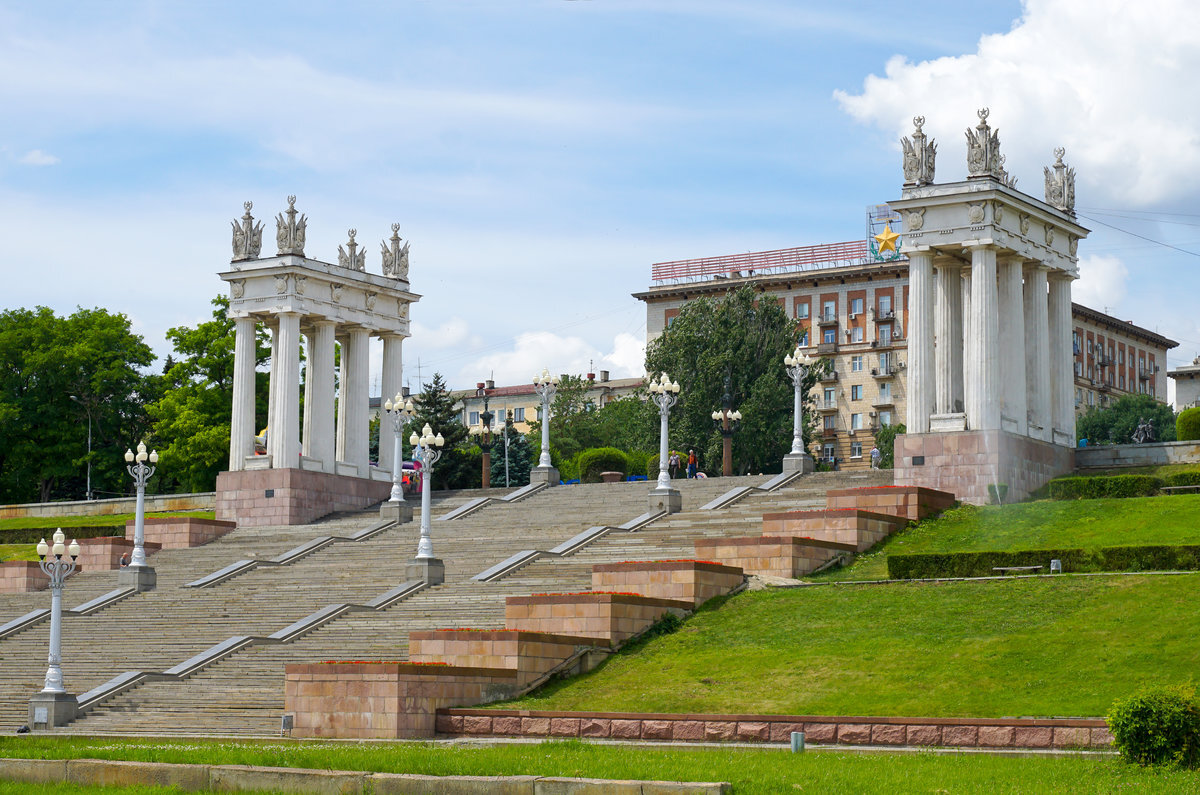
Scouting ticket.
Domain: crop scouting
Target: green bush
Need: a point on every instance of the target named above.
(591, 463)
(638, 462)
(569, 469)
(1163, 557)
(1159, 725)
(1183, 479)
(1187, 425)
(1110, 486)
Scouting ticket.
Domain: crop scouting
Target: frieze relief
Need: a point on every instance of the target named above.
(1049, 235)
(975, 213)
(914, 219)
(300, 280)
(281, 283)
(1023, 220)
(237, 288)
(369, 301)
(335, 293)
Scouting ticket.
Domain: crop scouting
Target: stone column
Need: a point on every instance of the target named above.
(343, 368)
(318, 397)
(921, 389)
(272, 381)
(284, 436)
(983, 414)
(393, 379)
(968, 370)
(306, 422)
(242, 430)
(949, 336)
(1037, 352)
(1062, 376)
(355, 396)
(1012, 345)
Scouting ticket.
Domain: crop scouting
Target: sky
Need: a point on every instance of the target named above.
(540, 155)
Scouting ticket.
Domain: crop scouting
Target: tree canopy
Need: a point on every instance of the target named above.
(458, 468)
(1116, 423)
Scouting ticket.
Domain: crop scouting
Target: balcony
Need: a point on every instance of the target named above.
(826, 347)
(883, 317)
(829, 433)
(827, 319)
(884, 401)
(881, 344)
(883, 372)
(1105, 361)
(1147, 373)
(829, 376)
(827, 406)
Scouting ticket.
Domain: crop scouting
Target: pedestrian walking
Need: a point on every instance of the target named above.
(691, 464)
(673, 465)
(876, 457)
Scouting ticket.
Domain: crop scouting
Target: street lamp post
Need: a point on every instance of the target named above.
(546, 386)
(399, 411)
(727, 421)
(798, 363)
(88, 409)
(425, 566)
(508, 423)
(54, 706)
(664, 497)
(484, 432)
(137, 574)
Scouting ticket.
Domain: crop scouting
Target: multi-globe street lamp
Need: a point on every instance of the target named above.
(137, 574)
(53, 706)
(486, 435)
(399, 411)
(664, 393)
(428, 449)
(798, 363)
(728, 420)
(546, 386)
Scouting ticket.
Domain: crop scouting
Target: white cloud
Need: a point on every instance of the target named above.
(1102, 283)
(536, 350)
(1101, 77)
(36, 157)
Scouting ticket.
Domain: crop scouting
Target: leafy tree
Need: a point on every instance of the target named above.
(54, 372)
(885, 440)
(458, 468)
(192, 418)
(1116, 423)
(743, 337)
(629, 423)
(573, 420)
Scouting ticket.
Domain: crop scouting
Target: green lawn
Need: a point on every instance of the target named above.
(1160, 470)
(112, 519)
(751, 771)
(18, 552)
(1035, 525)
(1066, 646)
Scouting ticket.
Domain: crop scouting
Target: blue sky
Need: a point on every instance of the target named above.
(541, 155)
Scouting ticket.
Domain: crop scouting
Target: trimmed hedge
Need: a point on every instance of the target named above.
(32, 535)
(1164, 557)
(1187, 425)
(592, 462)
(1183, 479)
(1075, 488)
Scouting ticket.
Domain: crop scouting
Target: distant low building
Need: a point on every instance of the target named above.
(1187, 385)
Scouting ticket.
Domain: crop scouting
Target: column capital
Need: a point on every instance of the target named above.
(1010, 258)
(982, 244)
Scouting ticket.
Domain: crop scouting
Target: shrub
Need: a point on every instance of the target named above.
(590, 463)
(569, 469)
(1162, 557)
(1183, 479)
(31, 535)
(1187, 425)
(638, 462)
(1112, 486)
(1157, 726)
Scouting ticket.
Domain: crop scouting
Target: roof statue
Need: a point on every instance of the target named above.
(983, 150)
(919, 156)
(289, 234)
(1060, 184)
(247, 237)
(395, 259)
(355, 260)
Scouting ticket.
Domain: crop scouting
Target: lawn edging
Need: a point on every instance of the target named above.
(1032, 733)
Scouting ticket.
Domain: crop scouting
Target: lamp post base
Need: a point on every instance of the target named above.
(398, 512)
(802, 463)
(140, 578)
(547, 475)
(669, 500)
(47, 710)
(430, 571)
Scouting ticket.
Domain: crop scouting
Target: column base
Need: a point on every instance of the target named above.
(669, 500)
(547, 475)
(140, 578)
(430, 571)
(799, 462)
(47, 710)
(947, 423)
(398, 512)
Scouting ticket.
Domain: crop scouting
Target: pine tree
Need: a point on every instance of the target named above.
(443, 413)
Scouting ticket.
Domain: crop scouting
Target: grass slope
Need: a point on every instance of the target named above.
(50, 523)
(1044, 647)
(751, 771)
(1034, 525)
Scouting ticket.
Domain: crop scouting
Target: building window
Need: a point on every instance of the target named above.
(1122, 380)
(856, 334)
(885, 392)
(885, 361)
(856, 449)
(474, 418)
(830, 422)
(829, 312)
(830, 401)
(856, 392)
(885, 418)
(1078, 396)
(1091, 398)
(1078, 368)
(856, 364)
(1075, 346)
(1091, 373)
(856, 306)
(804, 339)
(856, 422)
(885, 332)
(519, 414)
(1121, 357)
(1091, 348)
(885, 305)
(828, 451)
(830, 336)
(802, 311)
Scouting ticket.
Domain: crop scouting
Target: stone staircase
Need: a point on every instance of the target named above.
(243, 693)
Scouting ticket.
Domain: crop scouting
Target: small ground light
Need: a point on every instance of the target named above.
(797, 742)
(1056, 566)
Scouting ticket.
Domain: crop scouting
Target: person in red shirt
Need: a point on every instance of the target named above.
(691, 470)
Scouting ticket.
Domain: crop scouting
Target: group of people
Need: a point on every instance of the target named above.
(673, 464)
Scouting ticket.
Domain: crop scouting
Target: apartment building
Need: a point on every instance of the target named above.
(850, 307)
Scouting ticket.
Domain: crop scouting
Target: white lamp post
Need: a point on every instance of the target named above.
(798, 363)
(399, 411)
(546, 386)
(53, 706)
(664, 497)
(425, 566)
(137, 574)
